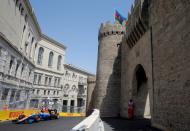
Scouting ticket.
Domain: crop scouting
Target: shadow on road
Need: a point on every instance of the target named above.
(119, 124)
(62, 124)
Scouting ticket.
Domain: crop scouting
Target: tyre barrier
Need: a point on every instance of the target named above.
(7, 115)
(91, 123)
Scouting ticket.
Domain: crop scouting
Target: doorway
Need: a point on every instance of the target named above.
(64, 109)
(72, 106)
(141, 93)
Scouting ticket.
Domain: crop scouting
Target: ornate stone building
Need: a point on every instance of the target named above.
(153, 67)
(32, 64)
(75, 84)
(19, 34)
(48, 73)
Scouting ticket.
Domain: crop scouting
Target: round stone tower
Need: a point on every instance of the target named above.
(108, 84)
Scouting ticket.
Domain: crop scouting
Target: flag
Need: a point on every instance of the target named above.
(119, 17)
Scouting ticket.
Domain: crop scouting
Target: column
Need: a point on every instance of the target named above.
(68, 105)
(43, 79)
(40, 103)
(8, 59)
(8, 96)
(84, 105)
(35, 54)
(31, 77)
(28, 98)
(75, 106)
(31, 49)
(2, 60)
(60, 103)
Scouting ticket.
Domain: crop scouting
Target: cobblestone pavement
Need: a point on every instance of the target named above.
(62, 124)
(117, 124)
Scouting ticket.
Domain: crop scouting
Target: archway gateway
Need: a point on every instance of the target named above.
(140, 93)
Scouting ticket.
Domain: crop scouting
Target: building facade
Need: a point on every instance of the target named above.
(33, 73)
(154, 64)
(75, 84)
(19, 34)
(48, 74)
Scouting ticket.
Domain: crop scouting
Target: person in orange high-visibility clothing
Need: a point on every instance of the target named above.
(130, 109)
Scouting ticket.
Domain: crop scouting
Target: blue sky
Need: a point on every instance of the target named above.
(75, 23)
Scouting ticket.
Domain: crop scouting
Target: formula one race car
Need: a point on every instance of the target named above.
(53, 114)
(22, 119)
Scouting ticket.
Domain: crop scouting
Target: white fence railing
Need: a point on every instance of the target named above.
(16, 105)
(91, 123)
(73, 109)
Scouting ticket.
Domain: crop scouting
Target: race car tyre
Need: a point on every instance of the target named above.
(57, 117)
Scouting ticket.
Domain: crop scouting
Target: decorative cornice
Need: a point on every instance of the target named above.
(69, 66)
(53, 41)
(32, 14)
(109, 33)
(38, 68)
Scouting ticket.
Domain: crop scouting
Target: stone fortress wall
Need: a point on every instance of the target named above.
(154, 65)
(108, 69)
(170, 24)
(136, 74)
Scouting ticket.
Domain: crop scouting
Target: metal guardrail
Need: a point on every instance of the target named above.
(7, 105)
(20, 105)
(73, 109)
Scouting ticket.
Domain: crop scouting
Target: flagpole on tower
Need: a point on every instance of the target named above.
(114, 15)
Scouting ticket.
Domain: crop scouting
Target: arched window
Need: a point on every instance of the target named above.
(74, 88)
(66, 86)
(59, 62)
(17, 66)
(50, 59)
(11, 63)
(26, 47)
(22, 69)
(32, 40)
(40, 55)
(26, 18)
(24, 28)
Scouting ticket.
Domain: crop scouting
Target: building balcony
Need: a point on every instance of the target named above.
(81, 95)
(35, 96)
(46, 86)
(82, 83)
(65, 95)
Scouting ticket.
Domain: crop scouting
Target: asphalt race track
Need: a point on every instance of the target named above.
(66, 124)
(62, 124)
